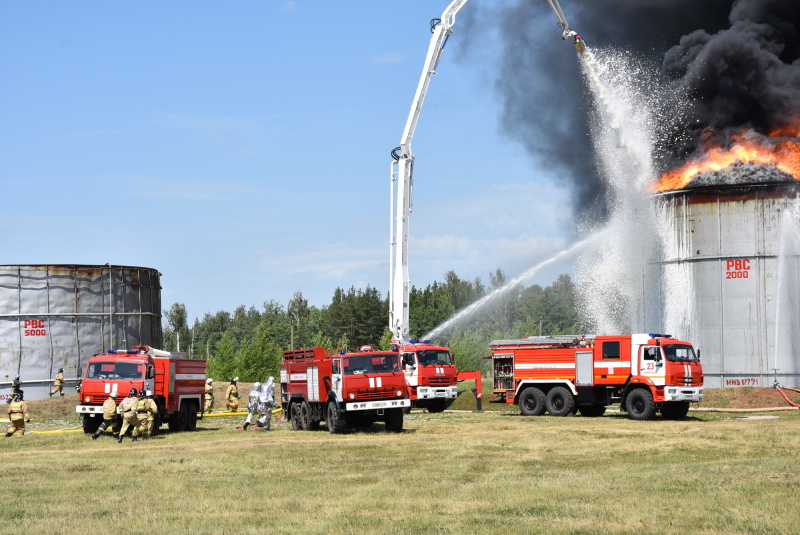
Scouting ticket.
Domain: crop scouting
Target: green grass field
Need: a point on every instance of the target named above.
(455, 472)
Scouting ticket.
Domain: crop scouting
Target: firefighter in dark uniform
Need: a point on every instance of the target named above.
(16, 388)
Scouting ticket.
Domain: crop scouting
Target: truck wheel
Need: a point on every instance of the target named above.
(559, 401)
(294, 414)
(191, 416)
(156, 425)
(305, 416)
(90, 424)
(437, 405)
(177, 422)
(675, 410)
(394, 420)
(592, 411)
(335, 420)
(640, 404)
(531, 402)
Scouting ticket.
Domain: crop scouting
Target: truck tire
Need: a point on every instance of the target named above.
(335, 419)
(177, 422)
(294, 415)
(592, 411)
(531, 402)
(90, 424)
(559, 401)
(437, 405)
(640, 404)
(675, 410)
(156, 425)
(305, 416)
(191, 416)
(394, 420)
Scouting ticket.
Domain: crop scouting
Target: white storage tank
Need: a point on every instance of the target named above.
(57, 316)
(737, 244)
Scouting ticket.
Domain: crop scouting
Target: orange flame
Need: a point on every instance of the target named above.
(781, 149)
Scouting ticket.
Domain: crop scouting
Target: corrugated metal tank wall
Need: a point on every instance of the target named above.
(57, 316)
(730, 238)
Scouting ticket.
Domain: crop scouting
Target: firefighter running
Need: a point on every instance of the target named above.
(232, 395)
(16, 388)
(109, 414)
(146, 410)
(128, 409)
(18, 414)
(58, 384)
(261, 401)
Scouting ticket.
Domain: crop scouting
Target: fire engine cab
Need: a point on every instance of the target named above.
(645, 373)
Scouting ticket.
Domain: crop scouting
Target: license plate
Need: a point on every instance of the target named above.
(379, 404)
(439, 394)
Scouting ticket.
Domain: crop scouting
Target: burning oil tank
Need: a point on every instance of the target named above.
(735, 239)
(57, 316)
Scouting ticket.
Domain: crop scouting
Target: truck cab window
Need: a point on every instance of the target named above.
(611, 350)
(408, 360)
(651, 353)
(680, 353)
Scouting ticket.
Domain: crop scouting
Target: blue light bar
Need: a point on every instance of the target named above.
(112, 351)
(653, 335)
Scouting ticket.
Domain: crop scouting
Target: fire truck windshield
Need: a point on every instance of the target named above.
(434, 357)
(362, 364)
(114, 370)
(680, 353)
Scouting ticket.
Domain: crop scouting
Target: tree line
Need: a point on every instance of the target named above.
(249, 342)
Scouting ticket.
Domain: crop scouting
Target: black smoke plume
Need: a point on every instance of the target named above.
(735, 60)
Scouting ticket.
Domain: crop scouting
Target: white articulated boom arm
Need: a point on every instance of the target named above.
(562, 22)
(402, 182)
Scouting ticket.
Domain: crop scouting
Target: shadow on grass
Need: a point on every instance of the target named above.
(612, 415)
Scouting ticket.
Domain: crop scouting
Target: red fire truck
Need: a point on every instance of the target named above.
(645, 373)
(177, 383)
(431, 375)
(343, 389)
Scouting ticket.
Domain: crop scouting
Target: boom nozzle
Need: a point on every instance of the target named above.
(580, 46)
(566, 33)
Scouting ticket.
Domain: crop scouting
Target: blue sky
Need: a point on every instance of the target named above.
(242, 148)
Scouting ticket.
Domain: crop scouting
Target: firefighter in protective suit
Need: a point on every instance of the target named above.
(232, 395)
(209, 395)
(18, 414)
(252, 403)
(58, 384)
(109, 414)
(263, 404)
(128, 410)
